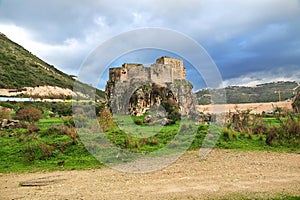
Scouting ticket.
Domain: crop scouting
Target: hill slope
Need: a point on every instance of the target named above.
(268, 92)
(19, 68)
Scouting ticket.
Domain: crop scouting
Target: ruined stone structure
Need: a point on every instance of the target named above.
(166, 73)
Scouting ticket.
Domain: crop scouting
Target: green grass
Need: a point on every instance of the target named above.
(49, 149)
(244, 142)
(271, 120)
(46, 123)
(54, 144)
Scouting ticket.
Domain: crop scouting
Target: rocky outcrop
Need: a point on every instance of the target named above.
(151, 96)
(8, 123)
(46, 91)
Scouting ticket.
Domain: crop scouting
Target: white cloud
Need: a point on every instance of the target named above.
(287, 73)
(59, 55)
(237, 33)
(101, 21)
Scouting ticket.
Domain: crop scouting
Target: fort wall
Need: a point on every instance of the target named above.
(165, 70)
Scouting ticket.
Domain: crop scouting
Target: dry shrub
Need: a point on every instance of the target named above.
(33, 129)
(29, 114)
(106, 120)
(71, 132)
(68, 121)
(38, 151)
(271, 135)
(5, 113)
(288, 133)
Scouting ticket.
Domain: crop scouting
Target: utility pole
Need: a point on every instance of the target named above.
(279, 95)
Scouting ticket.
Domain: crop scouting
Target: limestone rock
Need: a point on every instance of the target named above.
(7, 123)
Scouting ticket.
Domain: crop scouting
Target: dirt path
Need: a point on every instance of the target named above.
(223, 173)
(255, 108)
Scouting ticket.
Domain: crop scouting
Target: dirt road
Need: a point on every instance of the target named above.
(255, 108)
(222, 174)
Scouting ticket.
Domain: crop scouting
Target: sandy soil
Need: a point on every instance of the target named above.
(253, 107)
(222, 174)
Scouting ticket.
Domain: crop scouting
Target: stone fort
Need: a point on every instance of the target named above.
(166, 72)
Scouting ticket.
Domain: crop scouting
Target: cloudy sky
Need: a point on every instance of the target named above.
(251, 42)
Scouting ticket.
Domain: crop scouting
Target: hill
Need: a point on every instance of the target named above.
(268, 92)
(19, 68)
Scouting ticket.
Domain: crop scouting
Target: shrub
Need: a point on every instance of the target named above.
(152, 142)
(33, 129)
(68, 121)
(106, 120)
(259, 129)
(38, 151)
(226, 134)
(138, 121)
(80, 120)
(5, 113)
(288, 133)
(29, 114)
(71, 132)
(183, 127)
(271, 135)
(174, 116)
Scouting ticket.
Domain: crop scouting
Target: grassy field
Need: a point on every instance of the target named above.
(51, 145)
(51, 148)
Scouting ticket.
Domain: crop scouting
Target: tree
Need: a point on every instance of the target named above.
(29, 114)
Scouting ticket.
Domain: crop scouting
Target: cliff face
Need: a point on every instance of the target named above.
(296, 103)
(151, 95)
(134, 89)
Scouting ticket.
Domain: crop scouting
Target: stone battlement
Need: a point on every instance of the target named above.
(166, 69)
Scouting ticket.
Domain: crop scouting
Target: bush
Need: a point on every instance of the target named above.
(5, 113)
(226, 133)
(106, 120)
(29, 114)
(138, 121)
(38, 151)
(71, 132)
(33, 129)
(68, 121)
(174, 116)
(288, 133)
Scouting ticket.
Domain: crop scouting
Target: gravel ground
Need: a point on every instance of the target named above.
(222, 174)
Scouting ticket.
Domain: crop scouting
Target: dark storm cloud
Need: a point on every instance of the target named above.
(255, 38)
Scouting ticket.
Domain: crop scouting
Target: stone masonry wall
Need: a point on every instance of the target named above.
(170, 72)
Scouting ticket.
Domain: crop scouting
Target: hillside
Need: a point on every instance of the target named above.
(268, 92)
(19, 68)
